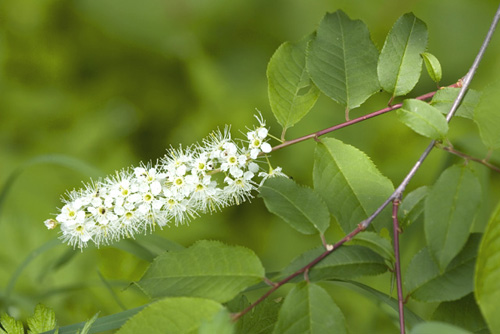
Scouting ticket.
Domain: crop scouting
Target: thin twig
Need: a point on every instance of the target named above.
(397, 264)
(468, 157)
(353, 121)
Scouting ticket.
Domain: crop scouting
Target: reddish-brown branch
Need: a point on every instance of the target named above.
(468, 157)
(354, 121)
(303, 270)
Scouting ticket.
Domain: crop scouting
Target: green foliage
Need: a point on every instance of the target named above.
(433, 66)
(309, 309)
(291, 92)
(346, 262)
(342, 60)
(423, 118)
(450, 208)
(349, 182)
(424, 281)
(487, 116)
(486, 280)
(301, 207)
(400, 64)
(175, 315)
(183, 289)
(208, 269)
(444, 98)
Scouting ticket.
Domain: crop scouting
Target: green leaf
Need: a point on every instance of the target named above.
(464, 313)
(487, 275)
(346, 262)
(259, 320)
(349, 183)
(107, 323)
(444, 98)
(221, 323)
(308, 308)
(208, 269)
(450, 208)
(301, 207)
(43, 319)
(487, 116)
(89, 324)
(433, 66)
(437, 327)
(176, 315)
(291, 92)
(423, 118)
(342, 60)
(375, 242)
(424, 282)
(10, 325)
(400, 64)
(412, 206)
(411, 319)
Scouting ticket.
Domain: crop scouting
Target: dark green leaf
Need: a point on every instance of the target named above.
(487, 116)
(308, 308)
(208, 269)
(345, 262)
(342, 60)
(433, 66)
(444, 98)
(291, 92)
(350, 184)
(412, 206)
(450, 208)
(423, 118)
(424, 282)
(464, 313)
(487, 276)
(176, 315)
(260, 320)
(400, 64)
(376, 243)
(299, 206)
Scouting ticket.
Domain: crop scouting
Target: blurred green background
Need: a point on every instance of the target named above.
(110, 83)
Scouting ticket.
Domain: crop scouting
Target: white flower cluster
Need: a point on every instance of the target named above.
(184, 183)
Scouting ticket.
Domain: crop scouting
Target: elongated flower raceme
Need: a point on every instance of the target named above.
(202, 178)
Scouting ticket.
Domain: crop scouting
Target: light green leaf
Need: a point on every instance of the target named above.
(43, 319)
(400, 64)
(299, 206)
(308, 308)
(221, 323)
(450, 208)
(433, 66)
(291, 92)
(349, 183)
(437, 327)
(375, 242)
(345, 262)
(464, 313)
(423, 118)
(444, 98)
(260, 320)
(208, 269)
(487, 116)
(176, 315)
(89, 324)
(342, 60)
(10, 325)
(487, 276)
(412, 206)
(424, 282)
